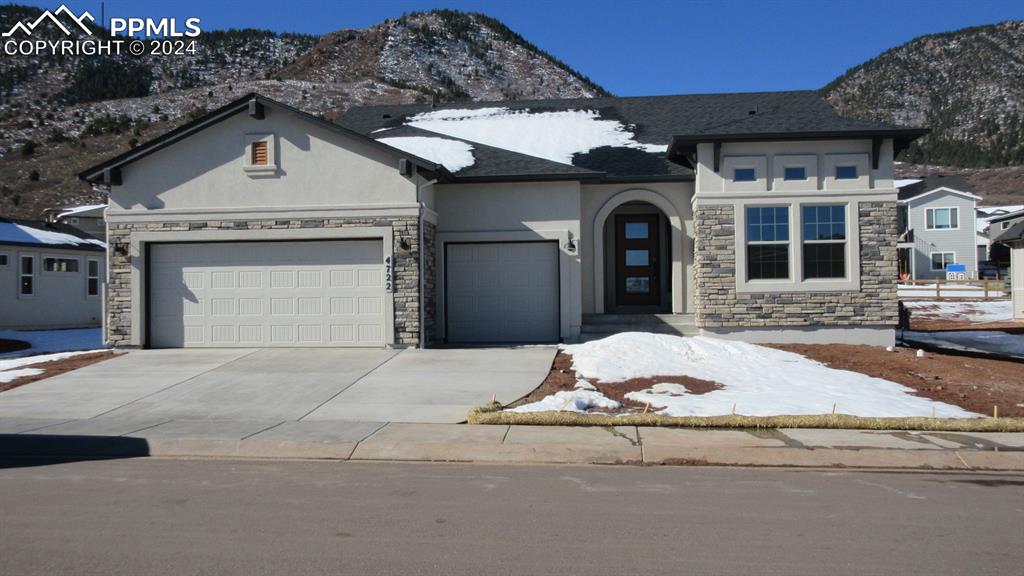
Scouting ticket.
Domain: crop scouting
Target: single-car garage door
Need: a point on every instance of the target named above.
(285, 294)
(502, 292)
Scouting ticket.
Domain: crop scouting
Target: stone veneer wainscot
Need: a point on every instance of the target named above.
(720, 306)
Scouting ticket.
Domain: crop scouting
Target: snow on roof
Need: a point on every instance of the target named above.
(452, 154)
(993, 212)
(80, 209)
(553, 135)
(13, 233)
(906, 182)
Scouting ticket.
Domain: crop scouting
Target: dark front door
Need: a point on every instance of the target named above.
(636, 260)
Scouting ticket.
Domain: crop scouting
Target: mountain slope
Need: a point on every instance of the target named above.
(966, 85)
(61, 115)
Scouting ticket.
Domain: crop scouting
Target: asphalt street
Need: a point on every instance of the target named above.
(163, 516)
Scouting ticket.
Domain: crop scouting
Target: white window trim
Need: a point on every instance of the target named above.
(927, 210)
(796, 281)
(846, 240)
(789, 224)
(90, 277)
(34, 275)
(931, 260)
(1005, 225)
(260, 170)
(43, 270)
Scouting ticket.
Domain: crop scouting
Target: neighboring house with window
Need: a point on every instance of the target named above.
(88, 219)
(763, 216)
(1008, 230)
(937, 227)
(998, 222)
(51, 275)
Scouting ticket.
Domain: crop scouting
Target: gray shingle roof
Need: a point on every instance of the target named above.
(662, 120)
(930, 183)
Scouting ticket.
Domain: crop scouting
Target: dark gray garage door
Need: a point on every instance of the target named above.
(502, 292)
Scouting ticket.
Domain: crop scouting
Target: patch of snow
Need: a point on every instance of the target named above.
(42, 341)
(578, 400)
(991, 311)
(759, 381)
(11, 375)
(905, 182)
(555, 135)
(11, 232)
(11, 369)
(80, 209)
(452, 154)
(948, 291)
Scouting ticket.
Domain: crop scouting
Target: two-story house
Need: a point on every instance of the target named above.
(88, 219)
(937, 227)
(762, 216)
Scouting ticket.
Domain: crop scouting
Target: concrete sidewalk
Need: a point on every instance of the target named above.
(339, 440)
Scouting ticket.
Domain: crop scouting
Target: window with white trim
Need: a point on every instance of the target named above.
(55, 264)
(1004, 225)
(824, 241)
(92, 280)
(942, 259)
(942, 218)
(767, 242)
(27, 276)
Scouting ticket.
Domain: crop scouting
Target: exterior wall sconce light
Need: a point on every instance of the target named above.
(572, 244)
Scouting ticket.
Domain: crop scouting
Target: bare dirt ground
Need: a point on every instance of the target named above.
(974, 384)
(563, 377)
(55, 367)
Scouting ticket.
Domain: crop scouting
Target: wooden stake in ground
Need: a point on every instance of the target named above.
(995, 411)
(833, 408)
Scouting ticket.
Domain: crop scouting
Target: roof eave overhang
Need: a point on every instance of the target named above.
(44, 247)
(683, 148)
(109, 172)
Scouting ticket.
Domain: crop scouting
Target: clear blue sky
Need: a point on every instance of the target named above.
(638, 47)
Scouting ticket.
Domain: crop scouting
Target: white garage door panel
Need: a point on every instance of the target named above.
(502, 292)
(245, 294)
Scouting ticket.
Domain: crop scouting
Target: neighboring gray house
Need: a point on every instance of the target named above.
(762, 216)
(88, 219)
(937, 227)
(51, 275)
(996, 230)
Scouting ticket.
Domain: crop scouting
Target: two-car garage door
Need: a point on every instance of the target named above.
(257, 294)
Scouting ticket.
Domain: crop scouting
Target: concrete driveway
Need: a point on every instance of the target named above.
(281, 385)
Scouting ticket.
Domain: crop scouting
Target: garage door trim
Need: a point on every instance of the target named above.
(447, 276)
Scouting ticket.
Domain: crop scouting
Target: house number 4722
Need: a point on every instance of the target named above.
(388, 284)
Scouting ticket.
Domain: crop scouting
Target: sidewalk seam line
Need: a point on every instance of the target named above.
(150, 427)
(262, 431)
(189, 379)
(354, 382)
(508, 428)
(46, 426)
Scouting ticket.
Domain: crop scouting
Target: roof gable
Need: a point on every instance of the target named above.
(252, 103)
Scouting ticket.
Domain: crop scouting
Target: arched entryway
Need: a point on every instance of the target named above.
(638, 255)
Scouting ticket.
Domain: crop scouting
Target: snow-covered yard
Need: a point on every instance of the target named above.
(990, 311)
(755, 381)
(44, 341)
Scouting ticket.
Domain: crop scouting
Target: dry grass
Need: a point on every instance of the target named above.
(492, 413)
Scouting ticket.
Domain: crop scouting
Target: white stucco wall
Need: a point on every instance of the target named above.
(509, 212)
(317, 169)
(60, 299)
